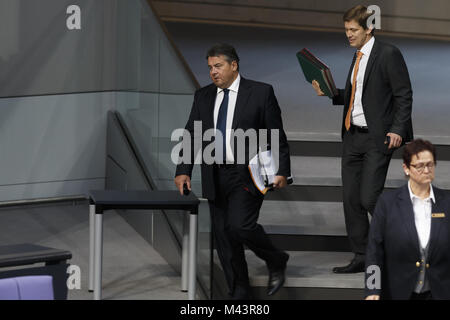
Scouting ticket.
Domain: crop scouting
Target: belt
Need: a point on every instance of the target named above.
(359, 128)
(225, 165)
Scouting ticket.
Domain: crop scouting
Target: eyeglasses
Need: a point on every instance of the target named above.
(421, 167)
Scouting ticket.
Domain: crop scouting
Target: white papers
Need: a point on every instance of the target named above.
(263, 169)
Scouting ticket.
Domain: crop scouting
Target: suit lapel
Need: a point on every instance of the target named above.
(372, 58)
(348, 84)
(241, 101)
(210, 103)
(407, 215)
(436, 223)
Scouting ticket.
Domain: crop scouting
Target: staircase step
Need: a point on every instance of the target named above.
(303, 217)
(308, 269)
(327, 171)
(309, 276)
(305, 225)
(319, 179)
(330, 145)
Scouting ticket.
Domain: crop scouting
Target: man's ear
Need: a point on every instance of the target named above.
(234, 65)
(369, 30)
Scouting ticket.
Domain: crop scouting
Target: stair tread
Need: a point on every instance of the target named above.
(304, 230)
(303, 217)
(336, 137)
(308, 269)
(326, 171)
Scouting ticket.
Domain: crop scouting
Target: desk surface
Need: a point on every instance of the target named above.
(27, 253)
(142, 198)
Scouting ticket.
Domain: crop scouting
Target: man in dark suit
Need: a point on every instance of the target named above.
(377, 103)
(230, 103)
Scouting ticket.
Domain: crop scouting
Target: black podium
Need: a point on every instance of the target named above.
(103, 200)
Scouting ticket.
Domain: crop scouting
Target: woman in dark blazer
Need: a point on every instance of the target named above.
(408, 254)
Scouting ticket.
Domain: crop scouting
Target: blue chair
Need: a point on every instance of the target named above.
(27, 288)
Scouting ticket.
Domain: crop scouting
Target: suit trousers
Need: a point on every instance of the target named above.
(421, 296)
(234, 215)
(364, 170)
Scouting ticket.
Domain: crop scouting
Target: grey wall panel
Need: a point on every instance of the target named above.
(150, 38)
(152, 124)
(127, 30)
(123, 173)
(47, 140)
(173, 78)
(39, 55)
(125, 101)
(65, 188)
(143, 125)
(140, 124)
(116, 175)
(174, 110)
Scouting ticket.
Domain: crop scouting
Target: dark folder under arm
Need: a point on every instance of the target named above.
(314, 69)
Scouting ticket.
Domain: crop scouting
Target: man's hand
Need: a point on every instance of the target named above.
(396, 140)
(181, 180)
(279, 182)
(373, 297)
(316, 87)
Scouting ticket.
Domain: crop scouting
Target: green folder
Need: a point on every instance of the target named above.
(315, 71)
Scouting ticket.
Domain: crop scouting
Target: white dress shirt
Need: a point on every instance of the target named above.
(422, 215)
(232, 96)
(357, 111)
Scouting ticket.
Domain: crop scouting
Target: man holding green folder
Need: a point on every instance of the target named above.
(377, 103)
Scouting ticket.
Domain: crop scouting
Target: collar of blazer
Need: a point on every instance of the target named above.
(241, 102)
(407, 212)
(370, 62)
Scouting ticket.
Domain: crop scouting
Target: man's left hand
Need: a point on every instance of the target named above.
(396, 140)
(279, 182)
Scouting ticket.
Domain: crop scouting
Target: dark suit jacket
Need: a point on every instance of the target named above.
(387, 95)
(394, 246)
(256, 108)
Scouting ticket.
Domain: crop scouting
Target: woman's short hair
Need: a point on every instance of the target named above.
(415, 147)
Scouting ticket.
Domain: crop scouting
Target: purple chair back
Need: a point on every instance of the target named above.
(27, 288)
(9, 289)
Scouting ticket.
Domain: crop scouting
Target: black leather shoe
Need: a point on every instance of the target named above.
(276, 281)
(355, 266)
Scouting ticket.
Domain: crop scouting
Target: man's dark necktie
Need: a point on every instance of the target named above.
(222, 122)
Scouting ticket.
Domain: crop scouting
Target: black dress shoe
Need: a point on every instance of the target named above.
(355, 266)
(276, 281)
